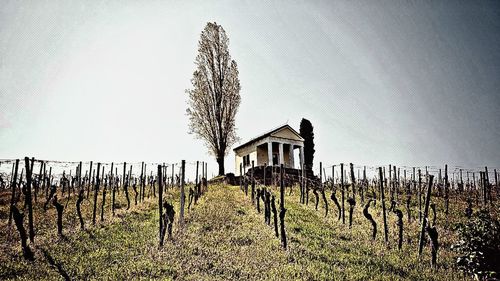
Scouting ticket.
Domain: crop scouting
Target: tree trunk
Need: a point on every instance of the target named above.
(220, 161)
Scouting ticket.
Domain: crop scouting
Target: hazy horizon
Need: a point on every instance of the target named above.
(404, 83)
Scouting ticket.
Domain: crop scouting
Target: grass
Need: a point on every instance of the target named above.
(224, 239)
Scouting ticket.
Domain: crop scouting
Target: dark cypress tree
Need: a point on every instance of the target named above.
(306, 131)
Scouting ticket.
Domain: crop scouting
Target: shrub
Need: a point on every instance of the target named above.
(479, 246)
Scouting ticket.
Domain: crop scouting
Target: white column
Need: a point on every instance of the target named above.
(282, 157)
(270, 153)
(290, 157)
(301, 156)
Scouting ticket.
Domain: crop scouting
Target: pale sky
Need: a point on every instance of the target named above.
(383, 82)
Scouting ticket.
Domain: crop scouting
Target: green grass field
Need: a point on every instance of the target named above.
(224, 239)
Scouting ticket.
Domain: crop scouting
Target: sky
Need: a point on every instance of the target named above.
(409, 83)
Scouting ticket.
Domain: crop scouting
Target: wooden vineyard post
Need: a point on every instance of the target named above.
(323, 189)
(496, 181)
(196, 186)
(342, 190)
(160, 204)
(446, 191)
(28, 199)
(363, 186)
(253, 184)
(173, 174)
(140, 182)
(104, 191)
(13, 185)
(241, 177)
(486, 185)
(282, 208)
(96, 191)
(383, 205)
(144, 181)
(353, 181)
(183, 195)
(126, 181)
(419, 195)
(37, 185)
(89, 181)
(426, 212)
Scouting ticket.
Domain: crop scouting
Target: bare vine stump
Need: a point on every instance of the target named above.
(136, 193)
(53, 190)
(78, 208)
(315, 191)
(168, 220)
(59, 209)
(352, 203)
(18, 220)
(468, 210)
(433, 235)
(399, 214)
(334, 199)
(369, 217)
(393, 206)
(325, 201)
(275, 214)
(190, 197)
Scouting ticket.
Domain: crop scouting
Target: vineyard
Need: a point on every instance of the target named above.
(166, 221)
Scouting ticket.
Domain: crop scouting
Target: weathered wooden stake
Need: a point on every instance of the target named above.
(253, 183)
(383, 205)
(282, 208)
(446, 190)
(13, 185)
(160, 204)
(90, 179)
(342, 190)
(104, 191)
(29, 169)
(426, 212)
(275, 214)
(196, 186)
(183, 195)
(96, 191)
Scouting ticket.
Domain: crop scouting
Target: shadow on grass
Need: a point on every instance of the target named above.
(55, 264)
